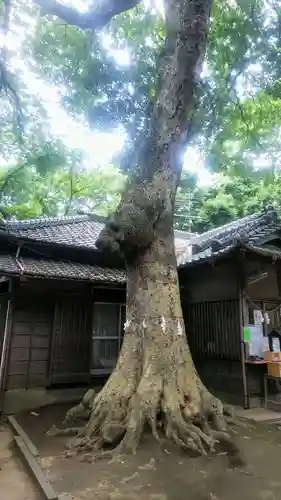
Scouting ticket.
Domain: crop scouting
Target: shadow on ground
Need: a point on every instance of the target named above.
(155, 474)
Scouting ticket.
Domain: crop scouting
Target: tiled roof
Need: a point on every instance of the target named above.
(8, 265)
(80, 231)
(182, 239)
(247, 231)
(44, 268)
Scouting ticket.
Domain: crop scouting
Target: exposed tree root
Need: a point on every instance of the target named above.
(83, 409)
(188, 415)
(155, 382)
(69, 431)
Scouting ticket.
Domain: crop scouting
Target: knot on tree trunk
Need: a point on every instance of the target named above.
(132, 227)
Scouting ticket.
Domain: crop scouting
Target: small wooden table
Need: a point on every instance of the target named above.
(248, 363)
(266, 379)
(256, 362)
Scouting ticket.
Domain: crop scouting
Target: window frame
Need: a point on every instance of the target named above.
(118, 338)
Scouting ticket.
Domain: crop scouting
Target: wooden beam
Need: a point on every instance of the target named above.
(27, 441)
(6, 344)
(36, 470)
(242, 321)
(240, 264)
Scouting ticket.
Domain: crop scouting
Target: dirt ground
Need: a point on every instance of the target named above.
(15, 484)
(156, 474)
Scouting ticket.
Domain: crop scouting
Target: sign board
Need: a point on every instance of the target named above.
(253, 336)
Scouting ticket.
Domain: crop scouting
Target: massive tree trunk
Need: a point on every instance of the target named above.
(155, 381)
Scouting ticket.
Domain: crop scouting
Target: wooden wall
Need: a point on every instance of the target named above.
(223, 378)
(4, 318)
(211, 311)
(210, 307)
(114, 295)
(70, 341)
(29, 342)
(266, 288)
(209, 282)
(3, 310)
(220, 281)
(51, 327)
(51, 332)
(213, 329)
(213, 332)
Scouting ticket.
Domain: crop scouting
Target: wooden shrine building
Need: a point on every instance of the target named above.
(62, 302)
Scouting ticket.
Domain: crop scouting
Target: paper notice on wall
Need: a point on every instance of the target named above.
(247, 334)
(256, 345)
(266, 318)
(258, 317)
(265, 344)
(275, 344)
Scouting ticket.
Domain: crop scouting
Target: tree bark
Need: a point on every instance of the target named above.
(155, 381)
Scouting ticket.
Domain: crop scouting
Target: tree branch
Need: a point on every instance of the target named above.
(96, 18)
(148, 201)
(5, 84)
(74, 192)
(5, 27)
(11, 173)
(71, 193)
(5, 30)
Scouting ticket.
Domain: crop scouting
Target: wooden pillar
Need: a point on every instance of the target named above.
(4, 356)
(241, 272)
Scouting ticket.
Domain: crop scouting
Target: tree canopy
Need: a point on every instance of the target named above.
(105, 80)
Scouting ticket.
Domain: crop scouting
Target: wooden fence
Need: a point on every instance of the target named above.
(213, 329)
